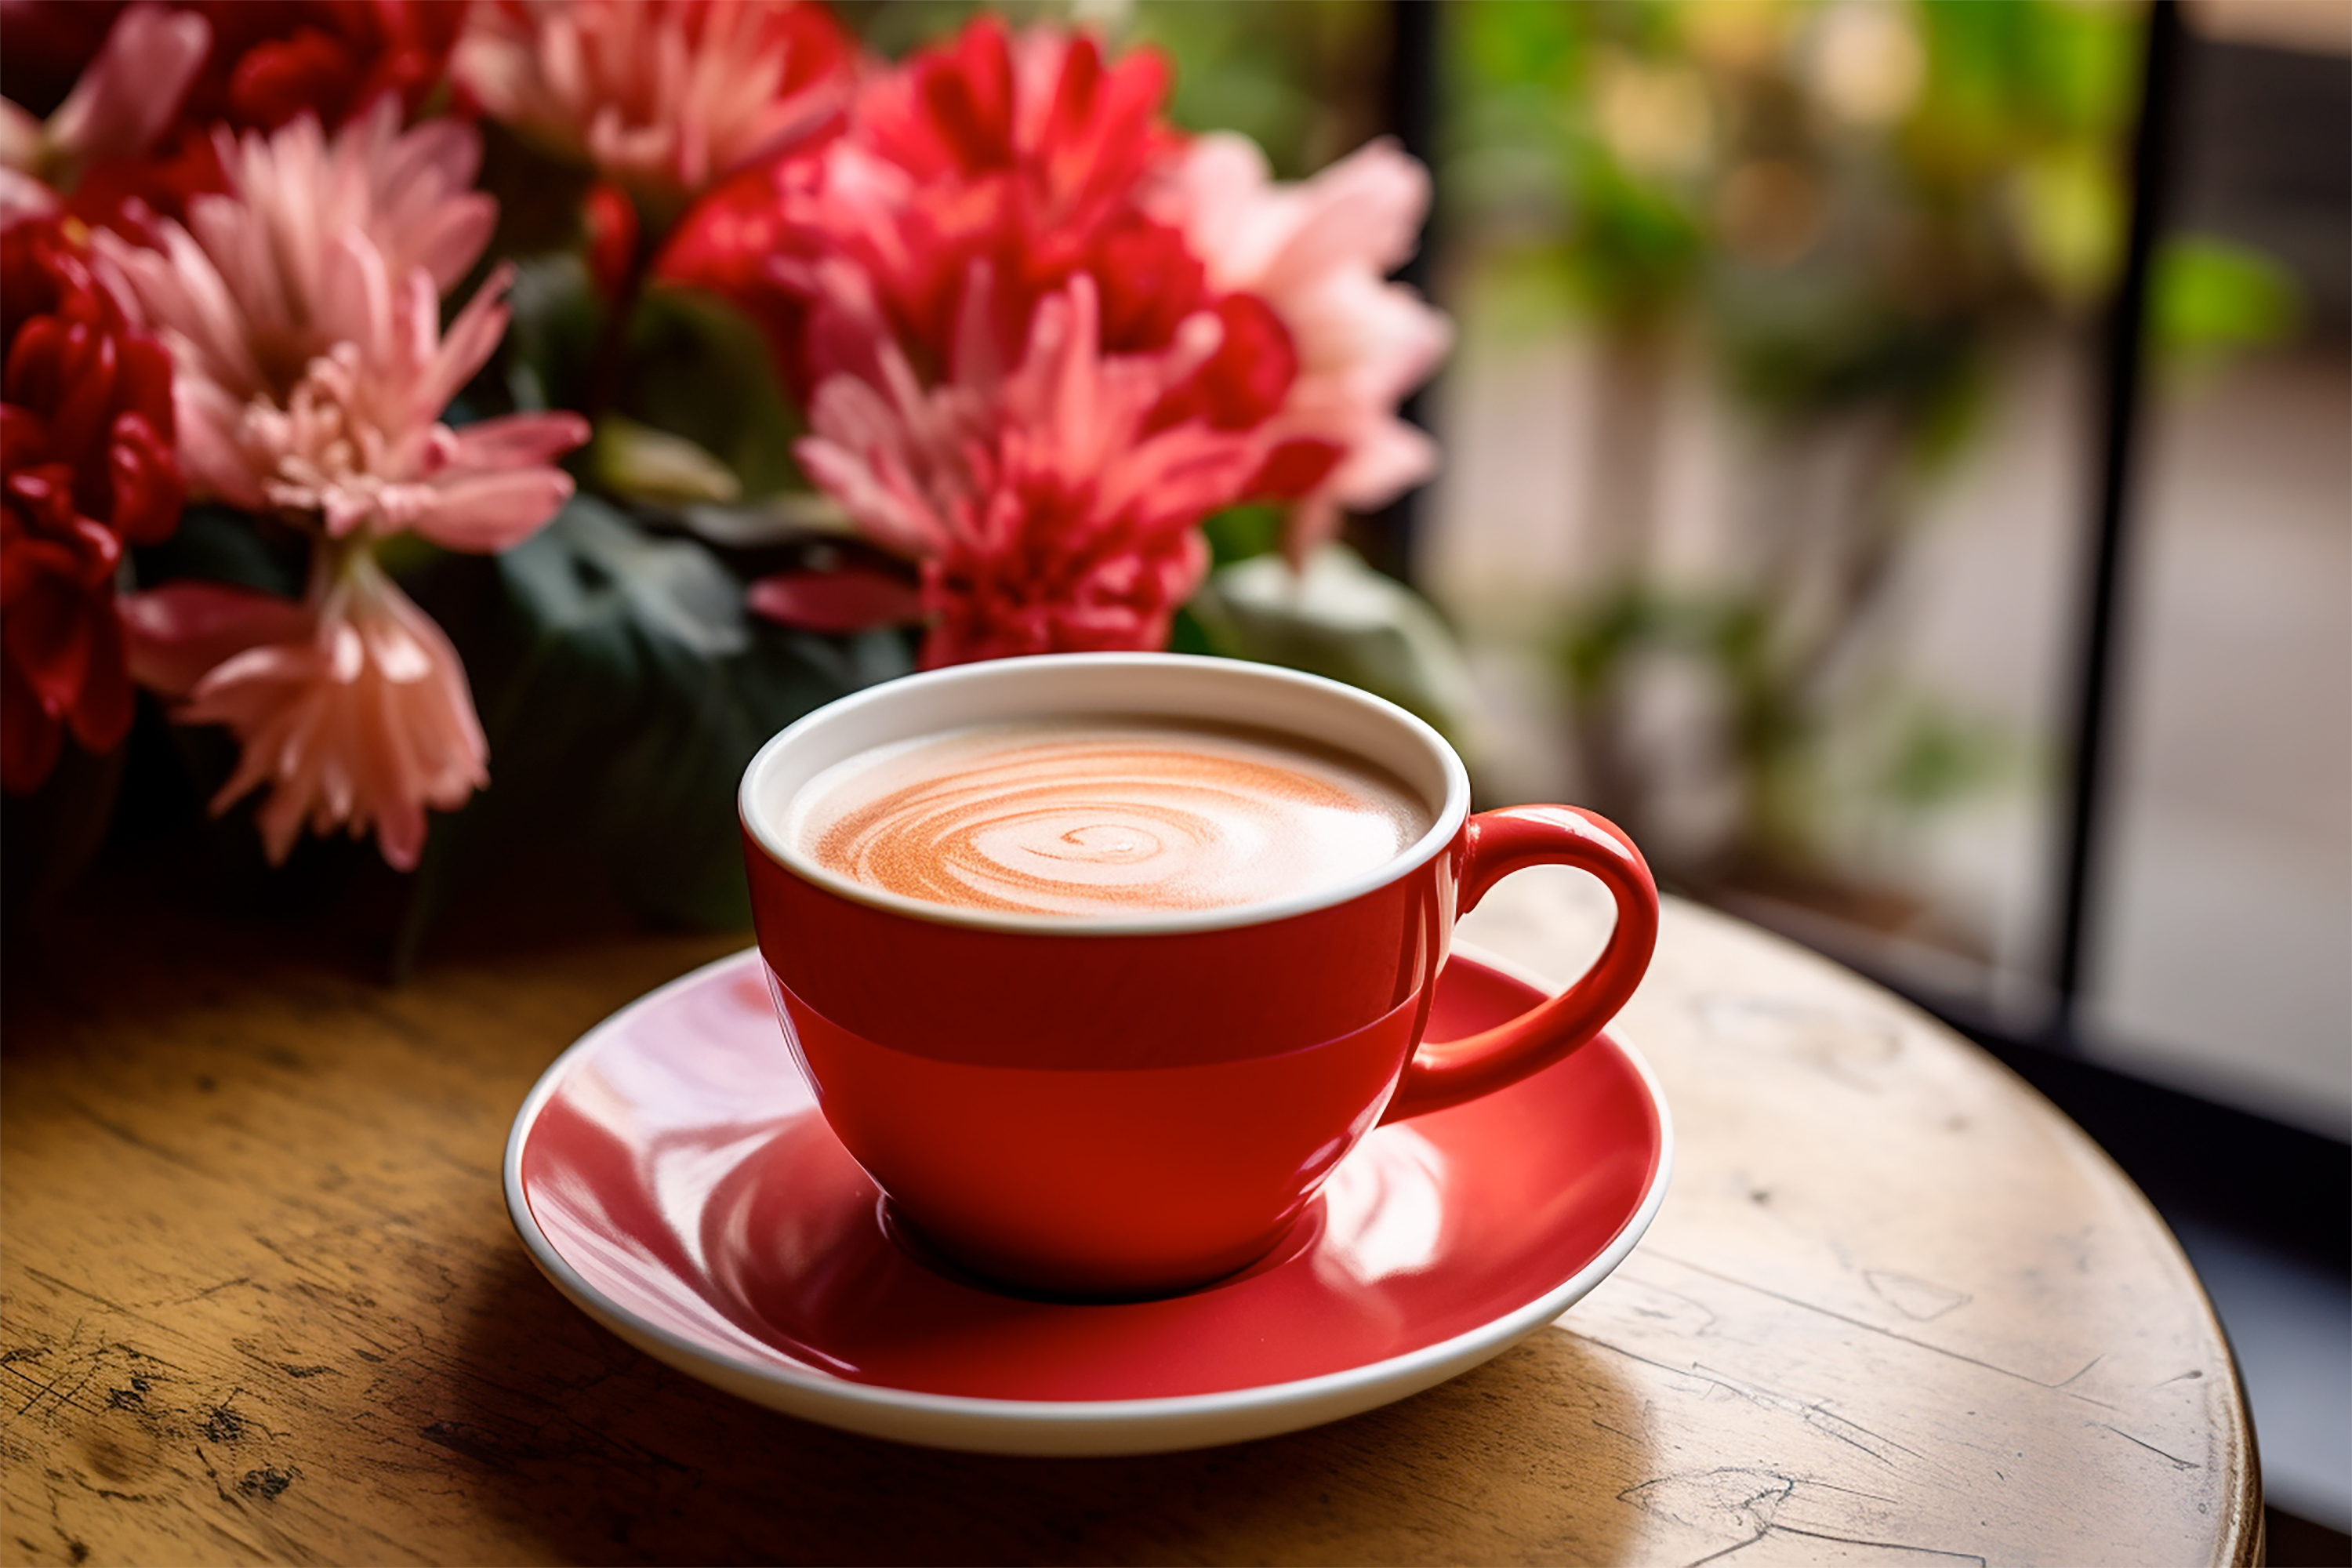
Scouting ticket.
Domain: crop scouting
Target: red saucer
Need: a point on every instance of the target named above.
(670, 1173)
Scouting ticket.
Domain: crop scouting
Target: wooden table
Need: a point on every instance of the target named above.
(261, 1303)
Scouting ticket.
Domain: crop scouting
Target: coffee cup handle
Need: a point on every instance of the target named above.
(1495, 844)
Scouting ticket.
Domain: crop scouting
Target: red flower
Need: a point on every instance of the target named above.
(1037, 148)
(1024, 153)
(273, 60)
(86, 467)
(1037, 352)
(726, 243)
(270, 62)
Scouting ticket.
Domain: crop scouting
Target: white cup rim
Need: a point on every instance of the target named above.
(1348, 716)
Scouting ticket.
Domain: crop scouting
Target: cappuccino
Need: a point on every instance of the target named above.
(1093, 817)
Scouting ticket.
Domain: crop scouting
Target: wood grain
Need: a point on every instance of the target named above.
(259, 1304)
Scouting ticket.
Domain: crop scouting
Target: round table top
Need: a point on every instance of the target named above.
(261, 1303)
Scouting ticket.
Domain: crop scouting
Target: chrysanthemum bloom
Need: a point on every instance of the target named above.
(302, 309)
(303, 312)
(273, 61)
(980, 191)
(351, 705)
(662, 97)
(1318, 252)
(1031, 154)
(975, 190)
(86, 468)
(1046, 512)
(1025, 151)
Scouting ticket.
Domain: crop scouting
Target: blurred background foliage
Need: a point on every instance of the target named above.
(1851, 210)
(1849, 192)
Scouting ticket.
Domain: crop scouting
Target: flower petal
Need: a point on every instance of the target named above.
(130, 92)
(852, 598)
(180, 632)
(493, 509)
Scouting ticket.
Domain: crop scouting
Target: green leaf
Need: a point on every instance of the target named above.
(696, 371)
(639, 462)
(1186, 634)
(700, 370)
(1340, 618)
(785, 518)
(552, 336)
(593, 563)
(2208, 297)
(624, 689)
(1241, 532)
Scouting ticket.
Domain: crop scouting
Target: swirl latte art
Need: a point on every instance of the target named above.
(1085, 818)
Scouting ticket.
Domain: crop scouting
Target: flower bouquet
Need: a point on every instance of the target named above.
(574, 393)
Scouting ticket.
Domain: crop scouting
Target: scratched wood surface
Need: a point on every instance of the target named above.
(259, 1302)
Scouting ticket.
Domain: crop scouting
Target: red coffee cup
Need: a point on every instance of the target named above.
(1137, 1105)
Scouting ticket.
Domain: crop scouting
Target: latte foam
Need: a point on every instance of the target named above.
(1082, 818)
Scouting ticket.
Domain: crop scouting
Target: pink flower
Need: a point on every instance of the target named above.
(246, 283)
(302, 311)
(1319, 253)
(119, 106)
(351, 706)
(662, 96)
(1046, 512)
(357, 444)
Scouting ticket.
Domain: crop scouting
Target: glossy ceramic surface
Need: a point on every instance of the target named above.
(671, 1174)
(1133, 1106)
